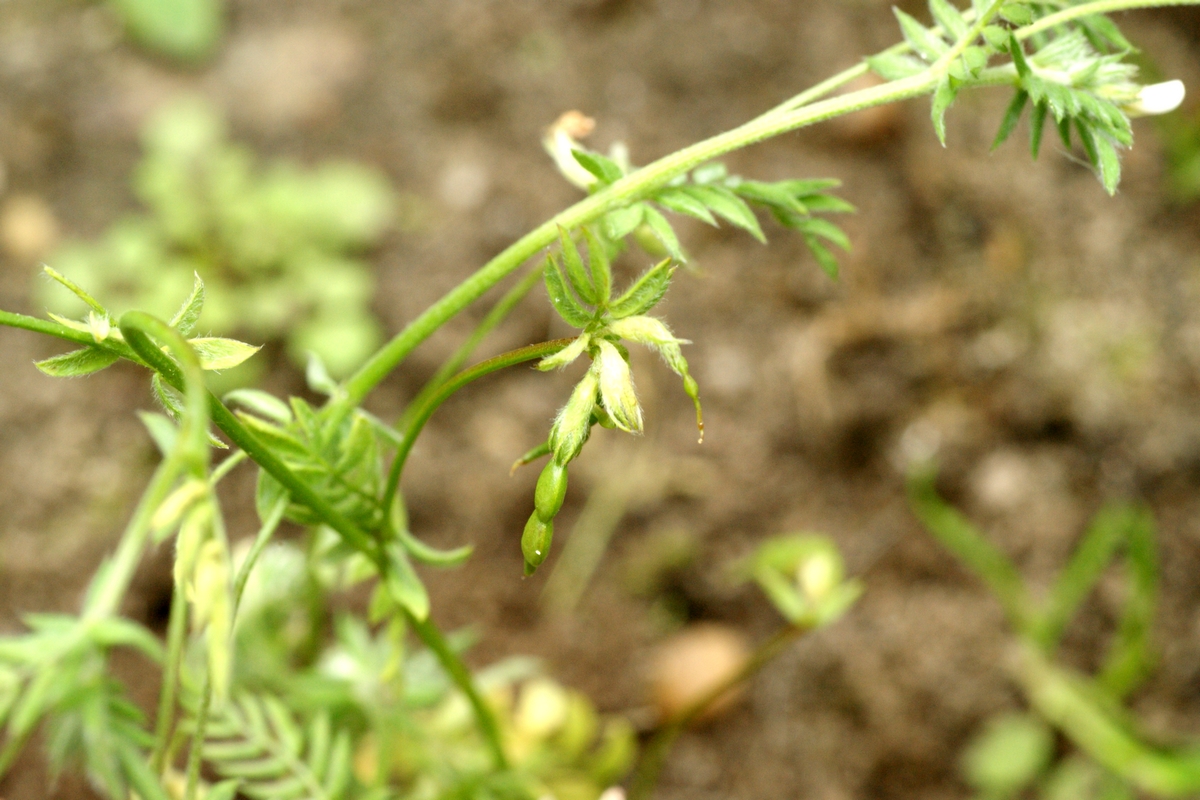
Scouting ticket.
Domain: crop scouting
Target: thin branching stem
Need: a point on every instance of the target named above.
(499, 312)
(446, 390)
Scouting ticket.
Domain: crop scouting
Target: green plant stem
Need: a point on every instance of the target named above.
(196, 747)
(1070, 702)
(52, 328)
(629, 189)
(429, 634)
(265, 532)
(1091, 9)
(445, 390)
(645, 778)
(176, 635)
(453, 364)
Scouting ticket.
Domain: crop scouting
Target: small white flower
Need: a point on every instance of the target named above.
(565, 356)
(562, 138)
(1157, 98)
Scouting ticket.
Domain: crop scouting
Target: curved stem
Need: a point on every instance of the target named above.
(630, 188)
(654, 756)
(444, 391)
(1091, 9)
(429, 634)
(494, 317)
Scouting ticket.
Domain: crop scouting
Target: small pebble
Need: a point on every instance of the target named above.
(693, 662)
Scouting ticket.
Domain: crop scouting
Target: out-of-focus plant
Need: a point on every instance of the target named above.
(1182, 138)
(1015, 754)
(185, 30)
(250, 691)
(278, 246)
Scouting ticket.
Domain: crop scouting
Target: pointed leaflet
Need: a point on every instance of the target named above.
(825, 259)
(77, 363)
(895, 66)
(1109, 163)
(602, 167)
(432, 556)
(1037, 124)
(949, 18)
(561, 298)
(162, 430)
(600, 268)
(725, 203)
(826, 230)
(403, 585)
(623, 221)
(665, 234)
(770, 194)
(942, 98)
(576, 273)
(1011, 117)
(261, 403)
(679, 201)
(188, 314)
(930, 46)
(76, 290)
(217, 354)
(646, 291)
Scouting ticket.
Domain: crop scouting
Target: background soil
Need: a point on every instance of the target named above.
(1040, 336)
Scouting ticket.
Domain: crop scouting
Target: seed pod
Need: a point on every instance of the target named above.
(535, 542)
(551, 489)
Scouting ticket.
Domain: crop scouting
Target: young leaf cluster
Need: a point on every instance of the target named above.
(711, 194)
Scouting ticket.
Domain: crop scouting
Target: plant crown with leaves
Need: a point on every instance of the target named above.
(252, 693)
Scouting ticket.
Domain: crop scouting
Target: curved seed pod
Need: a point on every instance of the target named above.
(535, 542)
(551, 490)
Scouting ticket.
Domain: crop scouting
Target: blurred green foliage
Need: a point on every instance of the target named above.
(1107, 756)
(186, 30)
(1181, 134)
(278, 246)
(410, 732)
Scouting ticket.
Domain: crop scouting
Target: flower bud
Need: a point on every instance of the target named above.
(655, 334)
(551, 490)
(616, 389)
(562, 138)
(1157, 98)
(574, 422)
(819, 574)
(535, 542)
(565, 356)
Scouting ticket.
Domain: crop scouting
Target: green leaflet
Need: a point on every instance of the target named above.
(724, 203)
(561, 298)
(217, 354)
(577, 274)
(188, 315)
(604, 168)
(77, 363)
(646, 291)
(681, 202)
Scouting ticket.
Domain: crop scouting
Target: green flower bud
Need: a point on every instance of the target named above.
(565, 356)
(551, 490)
(574, 422)
(535, 542)
(616, 388)
(655, 334)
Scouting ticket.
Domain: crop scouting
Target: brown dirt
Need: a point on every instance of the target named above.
(977, 314)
